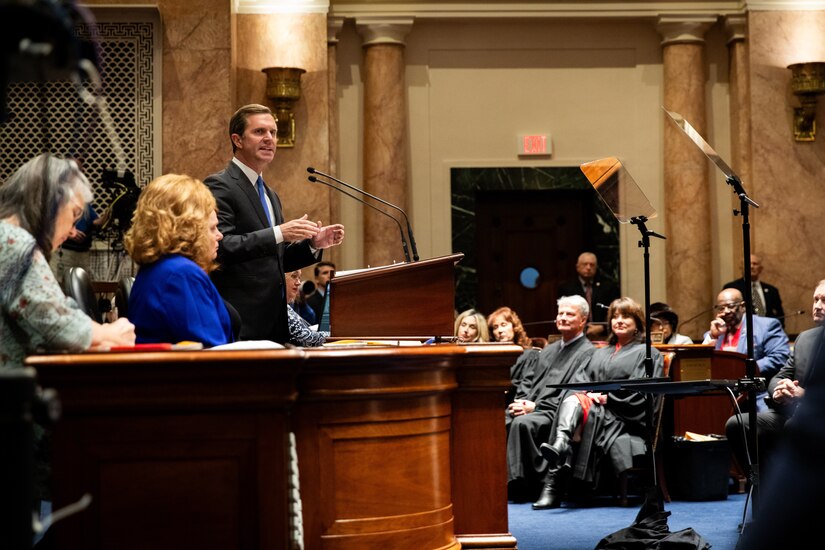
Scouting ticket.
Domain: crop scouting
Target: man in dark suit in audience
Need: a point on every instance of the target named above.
(323, 273)
(599, 291)
(791, 495)
(766, 299)
(258, 245)
(785, 392)
(530, 415)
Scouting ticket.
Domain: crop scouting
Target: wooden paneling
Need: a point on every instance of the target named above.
(397, 447)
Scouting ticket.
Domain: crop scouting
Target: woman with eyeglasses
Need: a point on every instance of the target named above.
(300, 332)
(729, 332)
(39, 205)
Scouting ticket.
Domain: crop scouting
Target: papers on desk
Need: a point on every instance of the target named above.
(186, 345)
(339, 344)
(250, 344)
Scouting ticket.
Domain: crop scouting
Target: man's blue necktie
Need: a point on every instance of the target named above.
(262, 196)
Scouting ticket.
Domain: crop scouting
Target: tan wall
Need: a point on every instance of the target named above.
(789, 177)
(197, 88)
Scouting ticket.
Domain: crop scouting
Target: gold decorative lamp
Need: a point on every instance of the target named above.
(807, 82)
(283, 86)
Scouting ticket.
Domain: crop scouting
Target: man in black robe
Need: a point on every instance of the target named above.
(530, 415)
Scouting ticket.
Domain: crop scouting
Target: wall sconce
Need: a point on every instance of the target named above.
(283, 86)
(807, 82)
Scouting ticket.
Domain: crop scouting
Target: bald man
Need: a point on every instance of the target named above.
(728, 332)
(599, 291)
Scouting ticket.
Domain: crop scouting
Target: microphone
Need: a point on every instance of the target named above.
(312, 170)
(313, 179)
(601, 305)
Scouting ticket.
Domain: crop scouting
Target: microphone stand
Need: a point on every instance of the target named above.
(312, 170)
(751, 368)
(656, 491)
(313, 179)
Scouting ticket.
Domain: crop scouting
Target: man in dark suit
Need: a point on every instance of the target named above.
(766, 299)
(258, 246)
(792, 491)
(597, 290)
(323, 273)
(785, 390)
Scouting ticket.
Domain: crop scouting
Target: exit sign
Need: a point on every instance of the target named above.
(534, 144)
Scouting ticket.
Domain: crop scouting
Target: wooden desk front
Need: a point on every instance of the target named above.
(397, 447)
(702, 413)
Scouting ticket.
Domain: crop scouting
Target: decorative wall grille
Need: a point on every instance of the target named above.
(51, 117)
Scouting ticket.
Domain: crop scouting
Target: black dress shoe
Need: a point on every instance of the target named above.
(548, 498)
(517, 491)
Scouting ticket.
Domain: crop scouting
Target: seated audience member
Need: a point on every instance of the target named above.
(300, 305)
(471, 326)
(505, 326)
(728, 331)
(300, 333)
(785, 392)
(791, 493)
(665, 320)
(323, 273)
(174, 239)
(596, 289)
(39, 205)
(766, 299)
(530, 416)
(601, 417)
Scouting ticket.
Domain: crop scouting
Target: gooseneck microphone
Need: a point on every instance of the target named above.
(312, 170)
(313, 179)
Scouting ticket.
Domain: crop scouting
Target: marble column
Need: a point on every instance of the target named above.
(334, 25)
(385, 132)
(687, 201)
(740, 118)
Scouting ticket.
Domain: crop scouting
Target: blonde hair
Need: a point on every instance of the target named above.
(481, 324)
(172, 217)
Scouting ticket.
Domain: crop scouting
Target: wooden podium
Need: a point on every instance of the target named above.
(703, 413)
(409, 299)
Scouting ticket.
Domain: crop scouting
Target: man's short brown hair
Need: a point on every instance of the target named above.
(237, 124)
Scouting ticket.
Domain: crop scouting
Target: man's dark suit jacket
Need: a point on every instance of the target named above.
(604, 292)
(251, 276)
(800, 365)
(773, 302)
(316, 302)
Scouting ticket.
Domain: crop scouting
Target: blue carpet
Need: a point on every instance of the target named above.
(573, 527)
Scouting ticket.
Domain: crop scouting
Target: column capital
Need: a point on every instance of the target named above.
(334, 26)
(736, 28)
(383, 30)
(684, 29)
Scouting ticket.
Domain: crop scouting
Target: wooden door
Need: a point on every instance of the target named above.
(516, 230)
